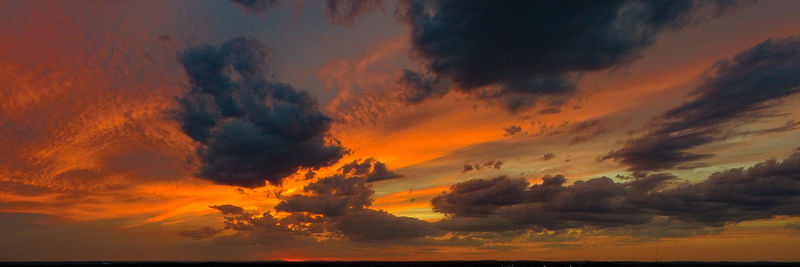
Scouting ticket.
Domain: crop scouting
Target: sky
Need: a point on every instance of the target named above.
(399, 130)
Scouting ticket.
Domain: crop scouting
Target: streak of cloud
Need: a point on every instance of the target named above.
(735, 91)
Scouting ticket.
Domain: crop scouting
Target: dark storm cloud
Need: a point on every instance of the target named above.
(768, 189)
(343, 12)
(256, 5)
(736, 91)
(531, 49)
(512, 130)
(251, 128)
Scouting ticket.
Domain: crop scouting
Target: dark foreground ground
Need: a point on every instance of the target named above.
(409, 263)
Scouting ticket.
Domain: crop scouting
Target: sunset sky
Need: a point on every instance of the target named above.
(399, 130)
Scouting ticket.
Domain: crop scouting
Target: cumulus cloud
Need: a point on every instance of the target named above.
(479, 197)
(250, 128)
(736, 91)
(330, 196)
(512, 46)
(767, 189)
(548, 156)
(337, 204)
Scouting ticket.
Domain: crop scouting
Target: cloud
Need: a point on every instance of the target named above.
(380, 172)
(512, 130)
(342, 12)
(551, 110)
(480, 197)
(380, 226)
(491, 164)
(330, 196)
(467, 167)
(229, 209)
(338, 204)
(767, 189)
(310, 174)
(548, 156)
(371, 169)
(256, 5)
(644, 207)
(735, 91)
(587, 130)
(250, 128)
(416, 87)
(529, 50)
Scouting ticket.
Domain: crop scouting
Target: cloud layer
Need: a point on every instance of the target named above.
(770, 188)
